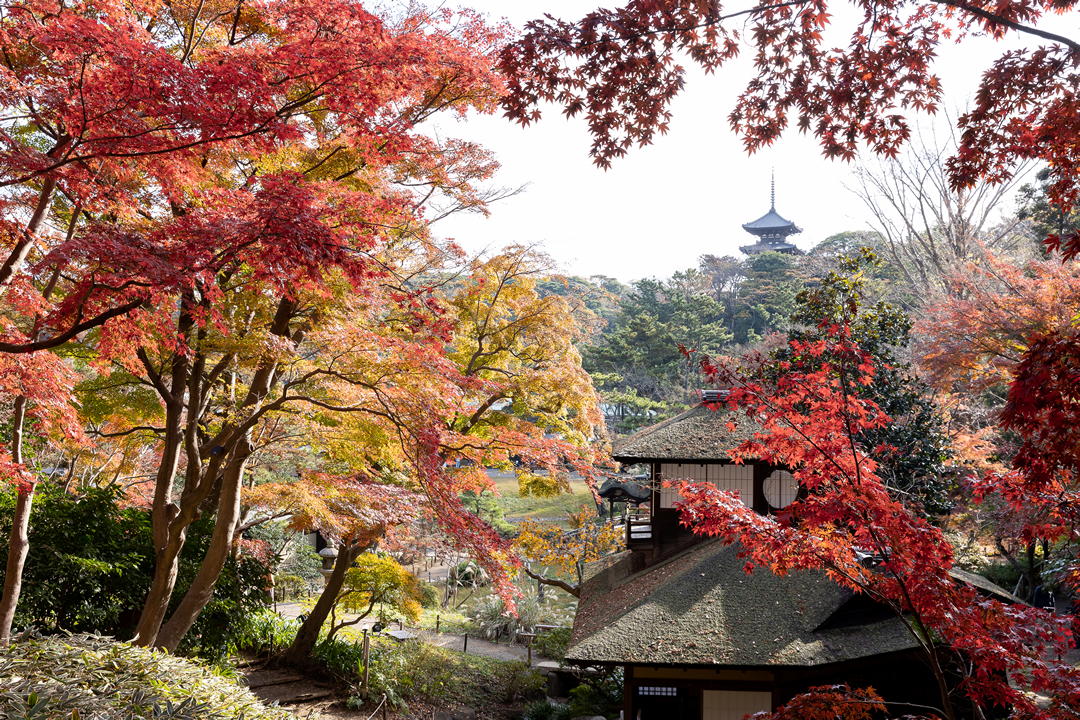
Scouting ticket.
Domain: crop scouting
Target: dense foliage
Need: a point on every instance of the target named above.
(88, 570)
(56, 677)
(89, 562)
(912, 449)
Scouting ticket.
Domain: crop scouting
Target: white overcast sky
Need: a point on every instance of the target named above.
(661, 207)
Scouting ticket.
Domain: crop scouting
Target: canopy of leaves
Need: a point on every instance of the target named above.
(376, 579)
(848, 524)
(620, 69)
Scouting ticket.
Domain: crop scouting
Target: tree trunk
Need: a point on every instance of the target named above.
(17, 550)
(200, 483)
(18, 254)
(202, 587)
(167, 543)
(20, 530)
(308, 633)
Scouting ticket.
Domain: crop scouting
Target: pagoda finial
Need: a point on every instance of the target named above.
(772, 196)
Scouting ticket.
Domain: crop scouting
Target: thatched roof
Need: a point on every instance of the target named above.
(698, 435)
(701, 608)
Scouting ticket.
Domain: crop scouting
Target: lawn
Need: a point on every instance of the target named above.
(516, 508)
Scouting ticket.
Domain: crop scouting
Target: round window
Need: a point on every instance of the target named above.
(781, 488)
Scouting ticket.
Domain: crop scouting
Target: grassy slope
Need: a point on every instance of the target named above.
(516, 507)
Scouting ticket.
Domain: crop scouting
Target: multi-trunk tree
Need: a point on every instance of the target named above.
(194, 183)
(421, 411)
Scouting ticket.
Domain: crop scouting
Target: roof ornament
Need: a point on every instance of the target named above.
(772, 196)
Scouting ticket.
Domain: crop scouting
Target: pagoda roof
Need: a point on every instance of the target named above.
(771, 224)
(770, 246)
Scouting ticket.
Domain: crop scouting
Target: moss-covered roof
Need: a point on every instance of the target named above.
(701, 608)
(701, 433)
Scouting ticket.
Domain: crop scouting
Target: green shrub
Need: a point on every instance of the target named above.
(521, 680)
(430, 596)
(56, 677)
(542, 709)
(545, 709)
(264, 631)
(88, 566)
(598, 695)
(1001, 573)
(339, 657)
(553, 644)
(403, 670)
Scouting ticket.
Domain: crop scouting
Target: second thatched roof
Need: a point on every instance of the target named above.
(698, 435)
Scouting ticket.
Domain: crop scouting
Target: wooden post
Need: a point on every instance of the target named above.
(437, 618)
(466, 648)
(529, 637)
(363, 685)
(384, 706)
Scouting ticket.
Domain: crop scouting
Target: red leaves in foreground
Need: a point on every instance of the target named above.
(1044, 410)
(831, 701)
(810, 424)
(620, 68)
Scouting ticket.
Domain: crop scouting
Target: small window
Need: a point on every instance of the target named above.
(664, 691)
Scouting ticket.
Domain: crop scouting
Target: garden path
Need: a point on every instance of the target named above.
(451, 641)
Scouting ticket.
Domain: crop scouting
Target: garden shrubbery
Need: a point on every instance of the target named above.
(54, 677)
(88, 570)
(88, 566)
(405, 670)
(553, 643)
(596, 696)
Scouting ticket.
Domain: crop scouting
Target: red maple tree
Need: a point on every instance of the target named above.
(204, 156)
(846, 524)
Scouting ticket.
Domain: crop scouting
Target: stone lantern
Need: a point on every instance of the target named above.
(329, 557)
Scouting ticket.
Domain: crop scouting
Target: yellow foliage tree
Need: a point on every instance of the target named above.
(375, 580)
(562, 551)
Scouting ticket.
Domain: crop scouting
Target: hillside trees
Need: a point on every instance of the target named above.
(638, 363)
(226, 171)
